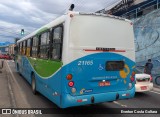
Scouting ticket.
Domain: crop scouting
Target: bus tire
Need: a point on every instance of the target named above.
(33, 84)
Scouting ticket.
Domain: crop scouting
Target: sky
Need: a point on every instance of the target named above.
(32, 14)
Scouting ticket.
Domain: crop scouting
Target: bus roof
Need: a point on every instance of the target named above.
(45, 27)
(62, 19)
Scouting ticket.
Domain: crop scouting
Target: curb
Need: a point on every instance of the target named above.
(13, 82)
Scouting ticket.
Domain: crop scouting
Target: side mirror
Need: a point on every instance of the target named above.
(157, 80)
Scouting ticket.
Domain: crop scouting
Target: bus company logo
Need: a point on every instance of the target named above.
(85, 90)
(20, 111)
(105, 49)
(82, 91)
(125, 72)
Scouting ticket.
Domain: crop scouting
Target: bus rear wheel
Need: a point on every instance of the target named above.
(33, 84)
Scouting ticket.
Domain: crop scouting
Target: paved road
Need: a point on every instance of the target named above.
(24, 98)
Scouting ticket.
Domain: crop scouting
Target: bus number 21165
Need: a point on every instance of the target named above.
(90, 62)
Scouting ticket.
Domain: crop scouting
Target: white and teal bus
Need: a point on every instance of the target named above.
(80, 59)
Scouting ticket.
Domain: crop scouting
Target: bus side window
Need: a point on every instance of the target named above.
(35, 47)
(31, 46)
(28, 47)
(23, 51)
(44, 45)
(25, 47)
(19, 49)
(22, 48)
(57, 43)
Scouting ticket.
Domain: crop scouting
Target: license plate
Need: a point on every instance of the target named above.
(102, 84)
(144, 88)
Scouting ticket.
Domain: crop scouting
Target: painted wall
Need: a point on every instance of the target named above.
(147, 39)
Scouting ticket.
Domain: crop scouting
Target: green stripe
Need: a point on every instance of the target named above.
(42, 30)
(45, 68)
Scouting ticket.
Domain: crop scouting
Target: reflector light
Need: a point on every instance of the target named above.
(69, 77)
(71, 84)
(127, 94)
(80, 100)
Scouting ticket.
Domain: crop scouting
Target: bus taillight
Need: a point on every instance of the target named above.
(71, 84)
(132, 78)
(69, 77)
(80, 100)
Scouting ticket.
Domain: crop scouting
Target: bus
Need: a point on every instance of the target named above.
(80, 59)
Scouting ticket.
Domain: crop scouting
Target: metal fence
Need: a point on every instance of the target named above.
(142, 10)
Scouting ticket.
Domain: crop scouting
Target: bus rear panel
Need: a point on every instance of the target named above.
(100, 61)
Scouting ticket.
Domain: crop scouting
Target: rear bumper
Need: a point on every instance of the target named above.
(69, 101)
(138, 87)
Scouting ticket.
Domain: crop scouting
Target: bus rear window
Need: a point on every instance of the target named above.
(114, 65)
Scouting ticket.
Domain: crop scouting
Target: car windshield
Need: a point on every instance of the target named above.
(139, 69)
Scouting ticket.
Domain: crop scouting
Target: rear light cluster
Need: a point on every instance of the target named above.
(70, 83)
(132, 78)
(80, 100)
